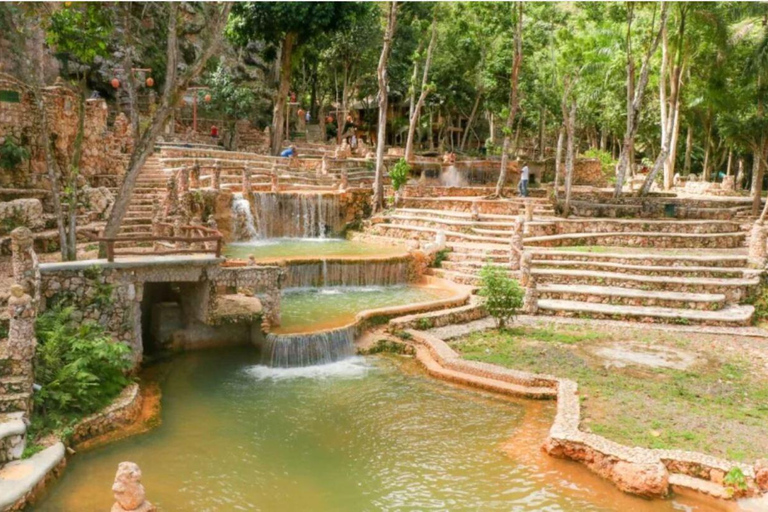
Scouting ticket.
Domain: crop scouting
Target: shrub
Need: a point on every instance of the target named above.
(607, 163)
(503, 296)
(80, 369)
(735, 481)
(399, 174)
(440, 257)
(11, 154)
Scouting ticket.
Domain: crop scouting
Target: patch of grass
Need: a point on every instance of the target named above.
(424, 323)
(718, 405)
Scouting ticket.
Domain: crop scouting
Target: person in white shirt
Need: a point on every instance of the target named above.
(522, 187)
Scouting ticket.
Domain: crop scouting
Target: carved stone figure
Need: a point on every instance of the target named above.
(128, 491)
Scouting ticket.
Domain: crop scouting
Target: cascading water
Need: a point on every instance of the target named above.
(297, 350)
(245, 225)
(347, 273)
(453, 177)
(297, 215)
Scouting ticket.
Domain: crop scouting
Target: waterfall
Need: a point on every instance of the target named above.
(347, 273)
(296, 350)
(245, 226)
(293, 215)
(452, 177)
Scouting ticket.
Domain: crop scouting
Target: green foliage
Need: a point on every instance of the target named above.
(424, 323)
(12, 154)
(399, 174)
(440, 257)
(12, 221)
(735, 480)
(80, 368)
(80, 32)
(503, 296)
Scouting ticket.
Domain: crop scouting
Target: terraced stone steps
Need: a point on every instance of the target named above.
(632, 297)
(731, 315)
(626, 258)
(735, 290)
(647, 270)
(642, 239)
(512, 206)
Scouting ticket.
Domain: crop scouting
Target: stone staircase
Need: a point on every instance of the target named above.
(150, 190)
(16, 379)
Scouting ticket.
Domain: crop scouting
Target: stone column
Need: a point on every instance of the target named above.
(516, 246)
(275, 181)
(129, 493)
(528, 210)
(171, 197)
(18, 351)
(475, 210)
(246, 181)
(528, 282)
(178, 232)
(344, 180)
(757, 241)
(23, 259)
(216, 179)
(184, 180)
(324, 165)
(194, 176)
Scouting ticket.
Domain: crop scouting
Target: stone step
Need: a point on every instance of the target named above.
(643, 239)
(456, 277)
(474, 248)
(732, 315)
(481, 257)
(136, 221)
(680, 482)
(631, 296)
(646, 270)
(19, 478)
(13, 436)
(485, 206)
(15, 402)
(735, 290)
(408, 232)
(14, 384)
(720, 260)
(670, 226)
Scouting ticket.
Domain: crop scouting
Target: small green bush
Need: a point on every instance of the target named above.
(503, 296)
(735, 480)
(440, 257)
(399, 174)
(80, 369)
(12, 154)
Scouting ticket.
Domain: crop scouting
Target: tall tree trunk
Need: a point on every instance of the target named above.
(542, 123)
(569, 157)
(383, 79)
(74, 172)
(471, 120)
(414, 76)
(757, 176)
(707, 152)
(637, 102)
(688, 151)
(283, 89)
(559, 160)
(513, 101)
(730, 161)
(424, 92)
(172, 94)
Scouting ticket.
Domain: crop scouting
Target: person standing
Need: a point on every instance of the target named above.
(522, 187)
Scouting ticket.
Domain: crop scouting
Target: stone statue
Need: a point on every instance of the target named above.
(128, 491)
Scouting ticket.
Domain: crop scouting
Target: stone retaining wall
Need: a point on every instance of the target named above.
(642, 471)
(123, 411)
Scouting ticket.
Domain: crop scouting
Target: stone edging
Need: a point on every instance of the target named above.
(642, 471)
(123, 411)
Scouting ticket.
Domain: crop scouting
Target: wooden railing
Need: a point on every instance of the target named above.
(189, 240)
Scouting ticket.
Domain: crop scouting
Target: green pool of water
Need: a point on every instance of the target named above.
(315, 309)
(358, 435)
(307, 247)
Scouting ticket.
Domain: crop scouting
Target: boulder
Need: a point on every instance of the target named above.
(647, 480)
(21, 212)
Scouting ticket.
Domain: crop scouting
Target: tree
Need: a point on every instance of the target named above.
(503, 296)
(633, 107)
(425, 89)
(513, 99)
(286, 25)
(383, 80)
(175, 86)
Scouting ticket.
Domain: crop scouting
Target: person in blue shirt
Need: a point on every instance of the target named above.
(288, 153)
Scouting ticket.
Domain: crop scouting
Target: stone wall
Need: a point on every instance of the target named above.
(123, 411)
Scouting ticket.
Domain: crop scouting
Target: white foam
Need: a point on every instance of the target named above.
(351, 368)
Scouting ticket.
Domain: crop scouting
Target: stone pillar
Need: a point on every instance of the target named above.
(324, 165)
(275, 182)
(184, 180)
(475, 210)
(128, 491)
(18, 351)
(211, 224)
(23, 259)
(528, 210)
(516, 246)
(178, 232)
(171, 197)
(757, 241)
(246, 181)
(194, 176)
(216, 178)
(531, 297)
(344, 180)
(729, 183)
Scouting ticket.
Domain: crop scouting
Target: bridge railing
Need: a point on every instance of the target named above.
(189, 239)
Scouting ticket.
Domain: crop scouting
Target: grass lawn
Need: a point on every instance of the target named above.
(646, 387)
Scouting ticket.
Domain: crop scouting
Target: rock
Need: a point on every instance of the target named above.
(761, 474)
(22, 212)
(648, 480)
(128, 491)
(98, 200)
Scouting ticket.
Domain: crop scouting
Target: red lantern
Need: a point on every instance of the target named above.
(150, 82)
(207, 98)
(115, 83)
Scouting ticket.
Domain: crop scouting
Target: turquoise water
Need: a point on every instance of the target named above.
(307, 247)
(357, 435)
(313, 309)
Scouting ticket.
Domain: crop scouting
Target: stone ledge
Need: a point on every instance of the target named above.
(642, 471)
(22, 480)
